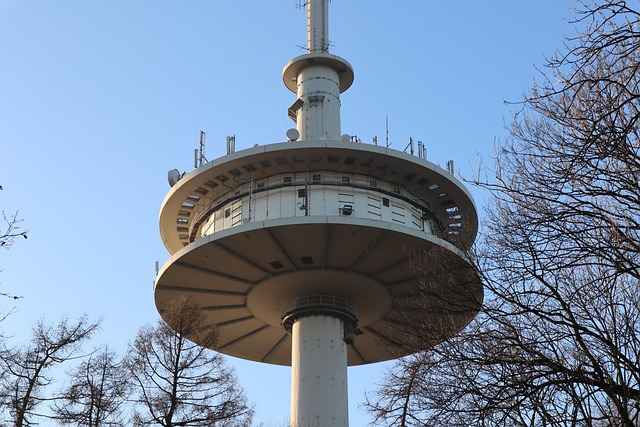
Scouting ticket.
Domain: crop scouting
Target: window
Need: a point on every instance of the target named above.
(349, 160)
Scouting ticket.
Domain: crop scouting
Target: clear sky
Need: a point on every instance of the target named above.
(100, 98)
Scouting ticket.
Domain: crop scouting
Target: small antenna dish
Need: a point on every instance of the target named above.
(345, 138)
(174, 176)
(293, 135)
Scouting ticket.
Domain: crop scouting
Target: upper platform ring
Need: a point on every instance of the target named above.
(212, 181)
(340, 65)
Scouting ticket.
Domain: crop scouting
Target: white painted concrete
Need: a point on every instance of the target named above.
(317, 26)
(319, 395)
(319, 116)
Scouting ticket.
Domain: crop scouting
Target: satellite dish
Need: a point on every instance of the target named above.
(345, 138)
(293, 135)
(174, 176)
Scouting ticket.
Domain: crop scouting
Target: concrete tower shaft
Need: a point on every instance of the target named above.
(319, 346)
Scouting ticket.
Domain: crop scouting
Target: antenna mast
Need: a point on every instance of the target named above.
(386, 131)
(198, 153)
(317, 26)
(202, 144)
(317, 78)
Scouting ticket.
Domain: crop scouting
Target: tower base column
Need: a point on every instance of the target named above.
(321, 327)
(319, 394)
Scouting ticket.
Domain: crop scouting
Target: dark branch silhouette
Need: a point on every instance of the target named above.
(558, 340)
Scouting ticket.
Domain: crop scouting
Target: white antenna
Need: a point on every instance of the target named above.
(450, 167)
(202, 143)
(231, 144)
(410, 146)
(198, 154)
(387, 131)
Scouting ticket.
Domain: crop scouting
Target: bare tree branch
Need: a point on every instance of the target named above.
(558, 340)
(96, 394)
(25, 370)
(179, 383)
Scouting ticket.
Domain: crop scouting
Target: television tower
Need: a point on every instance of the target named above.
(298, 250)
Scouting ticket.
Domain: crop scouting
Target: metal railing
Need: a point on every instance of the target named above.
(206, 206)
(318, 305)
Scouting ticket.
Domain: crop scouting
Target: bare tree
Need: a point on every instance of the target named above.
(9, 231)
(179, 383)
(558, 340)
(27, 369)
(97, 393)
(399, 400)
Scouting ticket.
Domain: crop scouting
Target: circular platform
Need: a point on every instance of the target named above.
(340, 65)
(244, 276)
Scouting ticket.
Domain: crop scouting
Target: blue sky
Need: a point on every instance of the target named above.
(100, 98)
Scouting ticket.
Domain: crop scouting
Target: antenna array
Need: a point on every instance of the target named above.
(198, 154)
(231, 144)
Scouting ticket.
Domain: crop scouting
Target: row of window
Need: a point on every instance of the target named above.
(314, 158)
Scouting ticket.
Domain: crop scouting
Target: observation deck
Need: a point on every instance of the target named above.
(253, 231)
(320, 253)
